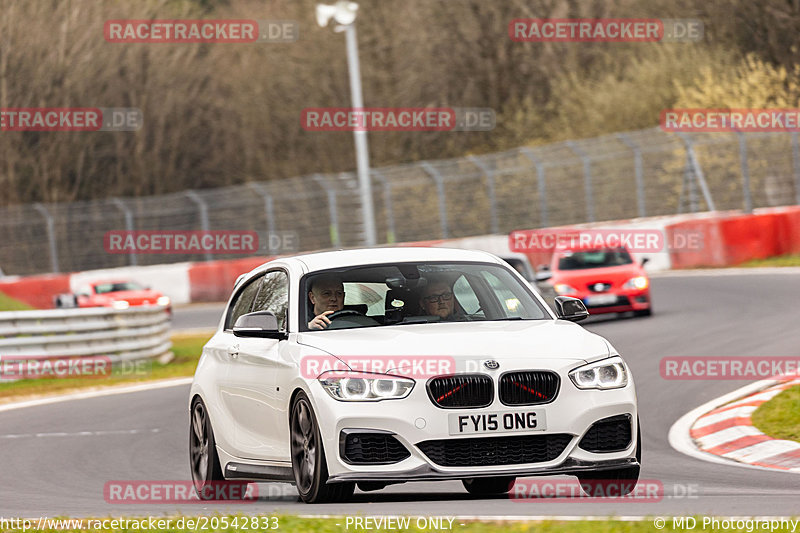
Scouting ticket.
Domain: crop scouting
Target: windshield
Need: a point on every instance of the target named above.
(594, 259)
(415, 293)
(102, 288)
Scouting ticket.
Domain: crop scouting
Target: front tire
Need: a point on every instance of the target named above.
(308, 457)
(209, 483)
(488, 486)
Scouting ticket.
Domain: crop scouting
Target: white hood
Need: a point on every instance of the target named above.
(547, 341)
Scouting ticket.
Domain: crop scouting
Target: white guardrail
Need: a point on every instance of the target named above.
(132, 334)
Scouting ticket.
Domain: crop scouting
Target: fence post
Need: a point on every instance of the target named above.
(203, 210)
(387, 203)
(493, 223)
(748, 198)
(637, 169)
(269, 212)
(796, 167)
(126, 212)
(439, 180)
(587, 178)
(697, 170)
(542, 185)
(333, 210)
(51, 235)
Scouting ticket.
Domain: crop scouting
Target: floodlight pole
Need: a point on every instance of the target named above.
(360, 137)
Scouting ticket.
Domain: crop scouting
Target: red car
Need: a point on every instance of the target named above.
(116, 294)
(607, 280)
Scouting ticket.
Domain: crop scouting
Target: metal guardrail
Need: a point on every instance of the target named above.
(132, 334)
(625, 175)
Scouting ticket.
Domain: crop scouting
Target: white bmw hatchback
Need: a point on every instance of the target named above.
(382, 366)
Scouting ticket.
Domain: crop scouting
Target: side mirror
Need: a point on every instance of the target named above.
(263, 324)
(645, 260)
(571, 309)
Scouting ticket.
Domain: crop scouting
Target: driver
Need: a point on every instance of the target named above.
(326, 294)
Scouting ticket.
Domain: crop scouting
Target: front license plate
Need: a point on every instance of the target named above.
(531, 420)
(601, 299)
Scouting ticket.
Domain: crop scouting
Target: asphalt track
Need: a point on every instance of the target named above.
(57, 458)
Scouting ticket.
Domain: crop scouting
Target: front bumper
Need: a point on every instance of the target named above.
(432, 473)
(627, 300)
(416, 419)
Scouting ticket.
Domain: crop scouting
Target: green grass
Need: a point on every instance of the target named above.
(7, 303)
(186, 349)
(339, 525)
(776, 261)
(780, 417)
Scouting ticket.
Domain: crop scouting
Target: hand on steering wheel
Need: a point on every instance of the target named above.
(323, 320)
(343, 312)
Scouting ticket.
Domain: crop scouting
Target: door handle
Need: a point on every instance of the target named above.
(233, 351)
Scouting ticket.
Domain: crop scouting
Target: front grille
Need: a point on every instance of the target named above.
(371, 448)
(528, 388)
(611, 434)
(465, 390)
(490, 451)
(598, 286)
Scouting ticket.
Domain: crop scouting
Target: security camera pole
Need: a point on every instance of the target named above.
(344, 13)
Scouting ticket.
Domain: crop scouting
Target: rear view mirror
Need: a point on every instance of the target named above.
(645, 260)
(571, 309)
(262, 324)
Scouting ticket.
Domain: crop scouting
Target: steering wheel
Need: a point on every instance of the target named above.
(350, 318)
(343, 312)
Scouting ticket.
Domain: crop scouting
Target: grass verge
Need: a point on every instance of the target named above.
(337, 525)
(7, 303)
(186, 349)
(780, 417)
(777, 261)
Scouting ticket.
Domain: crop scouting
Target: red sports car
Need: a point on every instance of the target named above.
(116, 294)
(607, 280)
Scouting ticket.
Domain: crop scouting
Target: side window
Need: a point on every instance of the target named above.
(508, 300)
(273, 295)
(243, 302)
(466, 296)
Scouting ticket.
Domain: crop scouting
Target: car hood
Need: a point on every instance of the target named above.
(616, 275)
(504, 340)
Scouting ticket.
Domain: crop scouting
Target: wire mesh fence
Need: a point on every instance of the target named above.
(634, 174)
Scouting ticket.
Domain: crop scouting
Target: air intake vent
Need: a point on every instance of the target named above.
(491, 451)
(370, 448)
(611, 434)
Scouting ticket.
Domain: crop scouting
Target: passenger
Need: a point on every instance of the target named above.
(437, 299)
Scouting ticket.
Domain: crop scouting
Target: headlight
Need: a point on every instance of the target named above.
(606, 374)
(563, 288)
(639, 282)
(163, 300)
(357, 387)
(120, 304)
